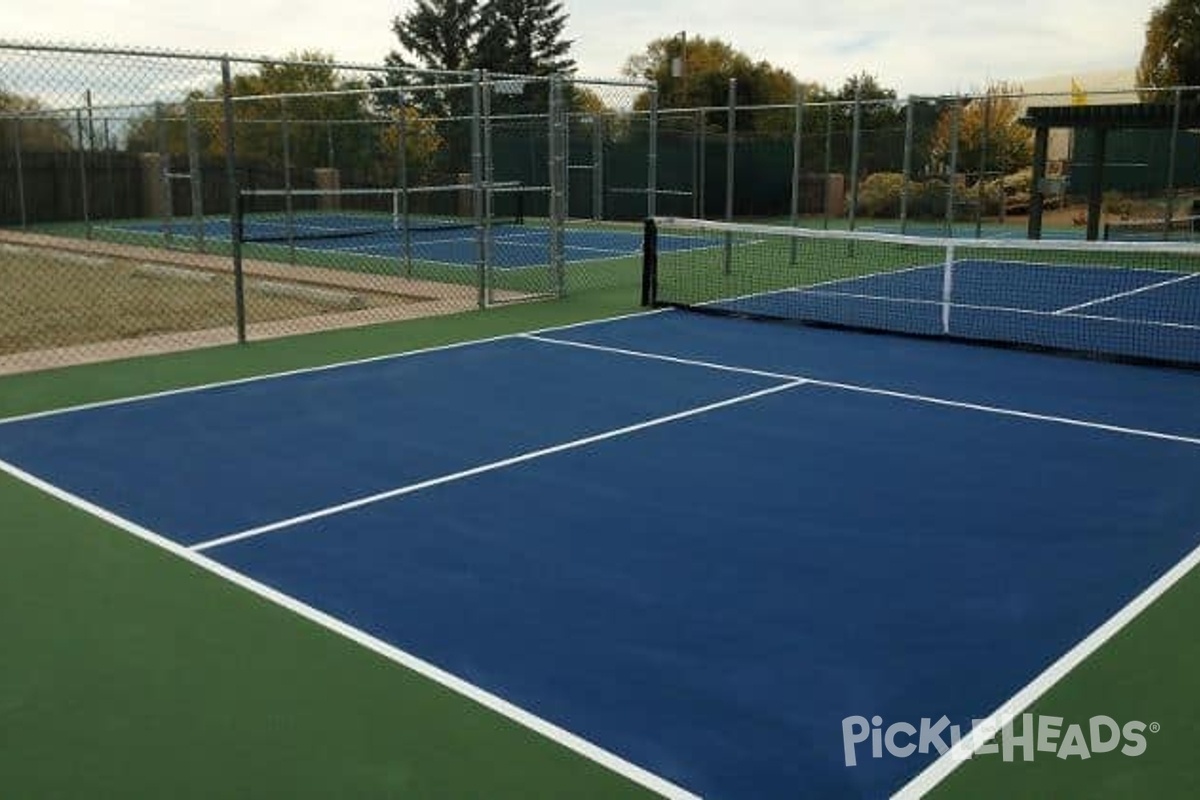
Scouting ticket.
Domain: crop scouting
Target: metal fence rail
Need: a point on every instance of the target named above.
(123, 173)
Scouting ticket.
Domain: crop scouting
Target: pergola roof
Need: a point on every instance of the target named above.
(1124, 115)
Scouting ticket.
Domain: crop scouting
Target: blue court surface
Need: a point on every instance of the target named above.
(697, 543)
(512, 246)
(1129, 312)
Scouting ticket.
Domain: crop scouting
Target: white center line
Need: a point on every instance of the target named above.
(489, 467)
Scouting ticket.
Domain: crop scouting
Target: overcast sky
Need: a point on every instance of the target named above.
(913, 46)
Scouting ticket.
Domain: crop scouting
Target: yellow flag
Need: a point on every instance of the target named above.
(1078, 95)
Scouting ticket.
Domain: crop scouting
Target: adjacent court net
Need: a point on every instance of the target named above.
(1154, 230)
(295, 215)
(1119, 299)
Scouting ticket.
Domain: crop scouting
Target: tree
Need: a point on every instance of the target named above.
(516, 37)
(38, 130)
(524, 37)
(340, 126)
(1171, 55)
(439, 34)
(992, 120)
(708, 65)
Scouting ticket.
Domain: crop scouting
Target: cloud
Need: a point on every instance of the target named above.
(920, 46)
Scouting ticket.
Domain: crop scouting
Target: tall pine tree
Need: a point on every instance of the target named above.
(439, 34)
(524, 37)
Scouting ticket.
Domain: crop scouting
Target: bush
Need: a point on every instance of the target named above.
(879, 194)
(1118, 204)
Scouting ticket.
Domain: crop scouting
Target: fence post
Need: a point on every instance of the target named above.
(1171, 156)
(652, 156)
(477, 188)
(797, 143)
(235, 199)
(909, 124)
(83, 181)
(289, 208)
(855, 135)
(702, 164)
(952, 167)
(598, 166)
(195, 176)
(730, 152)
(828, 161)
(980, 195)
(488, 178)
(557, 166)
(16, 126)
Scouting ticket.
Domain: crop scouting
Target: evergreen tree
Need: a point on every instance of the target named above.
(524, 37)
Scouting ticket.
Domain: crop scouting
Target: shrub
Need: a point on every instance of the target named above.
(879, 194)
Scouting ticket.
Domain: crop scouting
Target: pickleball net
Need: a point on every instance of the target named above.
(1122, 300)
(278, 215)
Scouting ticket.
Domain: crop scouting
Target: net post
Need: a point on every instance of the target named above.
(235, 199)
(650, 263)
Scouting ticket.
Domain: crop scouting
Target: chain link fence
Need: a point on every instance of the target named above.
(155, 201)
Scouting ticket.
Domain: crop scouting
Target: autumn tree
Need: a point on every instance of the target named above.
(1171, 55)
(991, 121)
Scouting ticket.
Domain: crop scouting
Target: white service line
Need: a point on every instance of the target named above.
(949, 761)
(1119, 295)
(424, 668)
(489, 467)
(851, 387)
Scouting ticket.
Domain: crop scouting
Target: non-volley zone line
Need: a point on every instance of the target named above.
(290, 522)
(873, 390)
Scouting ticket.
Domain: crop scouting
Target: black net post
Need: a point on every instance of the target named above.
(650, 263)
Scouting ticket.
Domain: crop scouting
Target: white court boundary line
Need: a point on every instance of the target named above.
(493, 702)
(909, 396)
(490, 467)
(1119, 295)
(945, 764)
(270, 376)
(956, 756)
(928, 778)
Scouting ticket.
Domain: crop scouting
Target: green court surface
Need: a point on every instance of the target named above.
(126, 672)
